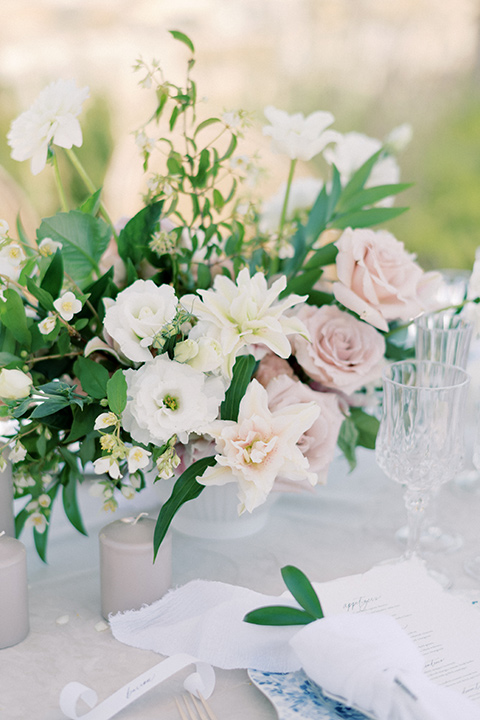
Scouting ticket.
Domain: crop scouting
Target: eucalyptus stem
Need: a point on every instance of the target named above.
(89, 185)
(58, 182)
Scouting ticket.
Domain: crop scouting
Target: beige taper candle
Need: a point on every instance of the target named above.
(128, 576)
(14, 623)
(7, 520)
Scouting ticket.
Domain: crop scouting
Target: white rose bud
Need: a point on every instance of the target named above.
(14, 384)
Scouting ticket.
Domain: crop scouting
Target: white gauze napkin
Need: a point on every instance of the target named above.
(367, 660)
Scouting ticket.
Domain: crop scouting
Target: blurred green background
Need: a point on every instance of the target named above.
(375, 64)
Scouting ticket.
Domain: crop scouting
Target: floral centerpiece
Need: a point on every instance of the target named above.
(200, 339)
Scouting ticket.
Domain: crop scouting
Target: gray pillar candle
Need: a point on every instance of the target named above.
(7, 520)
(14, 624)
(128, 576)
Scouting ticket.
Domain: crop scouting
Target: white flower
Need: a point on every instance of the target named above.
(246, 313)
(168, 398)
(14, 384)
(232, 119)
(204, 354)
(67, 305)
(11, 260)
(49, 247)
(303, 193)
(44, 500)
(260, 446)
(139, 313)
(352, 150)
(4, 228)
(38, 521)
(137, 459)
(105, 420)
(47, 325)
(108, 465)
(473, 290)
(128, 492)
(296, 136)
(52, 119)
(398, 139)
(17, 453)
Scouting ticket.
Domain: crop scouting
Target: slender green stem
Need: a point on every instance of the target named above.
(58, 181)
(285, 200)
(275, 260)
(89, 185)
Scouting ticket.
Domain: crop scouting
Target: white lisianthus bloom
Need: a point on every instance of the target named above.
(244, 313)
(47, 325)
(260, 446)
(105, 420)
(67, 306)
(14, 384)
(38, 521)
(49, 247)
(11, 260)
(4, 228)
(299, 137)
(52, 119)
(137, 459)
(108, 465)
(168, 398)
(352, 150)
(139, 313)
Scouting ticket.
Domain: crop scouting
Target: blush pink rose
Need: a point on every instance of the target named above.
(344, 353)
(378, 278)
(319, 441)
(272, 366)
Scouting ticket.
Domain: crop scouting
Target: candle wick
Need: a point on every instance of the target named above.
(133, 520)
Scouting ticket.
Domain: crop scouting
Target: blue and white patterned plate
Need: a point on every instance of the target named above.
(295, 697)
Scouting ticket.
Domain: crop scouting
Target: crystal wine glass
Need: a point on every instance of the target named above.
(421, 435)
(442, 337)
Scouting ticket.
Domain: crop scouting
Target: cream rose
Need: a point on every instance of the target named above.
(319, 441)
(14, 384)
(378, 278)
(344, 353)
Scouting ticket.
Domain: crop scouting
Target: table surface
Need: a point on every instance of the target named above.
(345, 527)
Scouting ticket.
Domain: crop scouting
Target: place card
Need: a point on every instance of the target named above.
(445, 628)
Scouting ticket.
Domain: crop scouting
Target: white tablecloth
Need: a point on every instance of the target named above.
(344, 528)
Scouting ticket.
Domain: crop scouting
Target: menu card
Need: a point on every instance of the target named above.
(445, 628)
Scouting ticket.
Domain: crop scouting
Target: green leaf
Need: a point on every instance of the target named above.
(52, 280)
(278, 615)
(186, 488)
(84, 239)
(242, 374)
(12, 315)
(41, 539)
(367, 218)
(83, 422)
(70, 504)
(302, 284)
(9, 359)
(93, 377)
(347, 441)
(302, 590)
(135, 236)
(370, 196)
(205, 123)
(335, 192)
(230, 150)
(43, 297)
(367, 427)
(203, 276)
(117, 392)
(317, 218)
(360, 177)
(326, 255)
(92, 203)
(182, 38)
